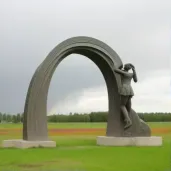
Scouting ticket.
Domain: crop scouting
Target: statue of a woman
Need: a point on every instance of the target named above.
(126, 91)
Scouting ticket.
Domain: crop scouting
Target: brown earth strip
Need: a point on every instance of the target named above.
(83, 131)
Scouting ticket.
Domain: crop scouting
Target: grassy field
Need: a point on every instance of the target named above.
(77, 151)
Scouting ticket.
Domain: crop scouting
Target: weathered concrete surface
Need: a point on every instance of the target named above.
(129, 141)
(28, 144)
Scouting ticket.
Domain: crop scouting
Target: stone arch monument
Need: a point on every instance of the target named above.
(107, 60)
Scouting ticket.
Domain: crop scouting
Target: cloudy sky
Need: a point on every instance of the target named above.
(138, 30)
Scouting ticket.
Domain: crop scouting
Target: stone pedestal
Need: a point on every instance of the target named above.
(129, 141)
(27, 144)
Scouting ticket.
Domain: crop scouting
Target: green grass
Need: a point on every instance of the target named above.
(59, 125)
(84, 125)
(87, 158)
(81, 153)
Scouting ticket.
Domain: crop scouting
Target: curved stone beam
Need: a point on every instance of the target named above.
(35, 112)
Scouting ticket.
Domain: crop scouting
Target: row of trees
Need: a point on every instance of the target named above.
(11, 118)
(92, 117)
(102, 117)
(87, 117)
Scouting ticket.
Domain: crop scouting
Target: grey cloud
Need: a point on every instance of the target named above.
(137, 30)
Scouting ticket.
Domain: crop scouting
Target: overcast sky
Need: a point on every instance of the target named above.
(138, 30)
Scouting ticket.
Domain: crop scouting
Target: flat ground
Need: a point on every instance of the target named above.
(77, 150)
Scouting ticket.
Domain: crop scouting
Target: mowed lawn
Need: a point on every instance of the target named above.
(77, 150)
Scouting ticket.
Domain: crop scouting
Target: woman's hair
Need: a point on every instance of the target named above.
(128, 66)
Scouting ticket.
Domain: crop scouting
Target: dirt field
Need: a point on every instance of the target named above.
(77, 131)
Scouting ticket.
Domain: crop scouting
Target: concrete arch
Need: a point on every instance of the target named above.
(35, 119)
(106, 59)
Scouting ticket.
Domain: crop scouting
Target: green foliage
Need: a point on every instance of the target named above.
(102, 117)
(11, 118)
(87, 117)
(0, 117)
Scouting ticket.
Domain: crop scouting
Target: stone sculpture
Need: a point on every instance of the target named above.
(126, 91)
(35, 116)
(117, 81)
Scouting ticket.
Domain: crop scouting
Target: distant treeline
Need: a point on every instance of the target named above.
(102, 117)
(11, 118)
(87, 117)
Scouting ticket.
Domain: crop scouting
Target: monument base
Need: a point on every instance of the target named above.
(129, 141)
(27, 144)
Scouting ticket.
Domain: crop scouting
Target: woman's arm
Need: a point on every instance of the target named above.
(119, 71)
(124, 73)
(134, 75)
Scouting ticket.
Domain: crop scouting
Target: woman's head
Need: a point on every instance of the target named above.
(128, 66)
